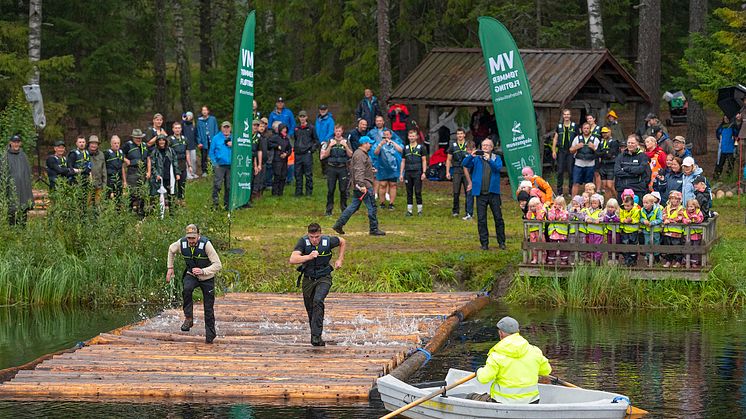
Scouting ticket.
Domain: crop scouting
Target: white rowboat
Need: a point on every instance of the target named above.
(555, 401)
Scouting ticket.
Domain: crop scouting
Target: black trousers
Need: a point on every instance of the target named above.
(135, 185)
(458, 180)
(413, 182)
(491, 200)
(565, 163)
(114, 185)
(724, 158)
(221, 180)
(204, 160)
(314, 293)
(304, 169)
(280, 169)
(181, 184)
(335, 175)
(208, 297)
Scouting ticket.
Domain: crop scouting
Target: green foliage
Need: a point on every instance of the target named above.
(719, 59)
(16, 119)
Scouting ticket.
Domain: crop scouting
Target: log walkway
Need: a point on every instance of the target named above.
(262, 351)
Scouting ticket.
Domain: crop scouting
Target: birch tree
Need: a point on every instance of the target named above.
(595, 24)
(34, 38)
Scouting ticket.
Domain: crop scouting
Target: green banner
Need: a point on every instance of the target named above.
(511, 98)
(243, 107)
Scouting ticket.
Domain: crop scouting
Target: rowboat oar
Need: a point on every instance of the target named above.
(631, 410)
(423, 399)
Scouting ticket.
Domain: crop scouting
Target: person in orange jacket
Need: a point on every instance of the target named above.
(539, 183)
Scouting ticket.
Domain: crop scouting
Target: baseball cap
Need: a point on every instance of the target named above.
(225, 124)
(322, 107)
(688, 161)
(303, 113)
(699, 179)
(508, 325)
(189, 113)
(137, 133)
(280, 99)
(679, 139)
(192, 232)
(365, 139)
(93, 139)
(256, 122)
(15, 138)
(265, 120)
(650, 116)
(605, 129)
(59, 143)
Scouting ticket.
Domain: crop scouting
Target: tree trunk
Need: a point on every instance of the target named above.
(205, 41)
(696, 130)
(538, 23)
(159, 59)
(34, 38)
(384, 46)
(649, 56)
(595, 25)
(182, 59)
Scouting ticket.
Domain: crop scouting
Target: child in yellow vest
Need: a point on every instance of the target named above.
(694, 216)
(535, 213)
(576, 212)
(673, 232)
(651, 218)
(595, 230)
(629, 216)
(557, 230)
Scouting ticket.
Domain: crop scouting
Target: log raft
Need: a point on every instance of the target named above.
(262, 351)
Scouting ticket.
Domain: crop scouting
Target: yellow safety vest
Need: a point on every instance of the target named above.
(594, 228)
(651, 217)
(670, 214)
(634, 214)
(695, 230)
(533, 227)
(514, 366)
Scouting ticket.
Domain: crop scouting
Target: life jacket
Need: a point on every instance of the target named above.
(650, 217)
(565, 135)
(179, 145)
(458, 152)
(594, 228)
(319, 267)
(585, 153)
(338, 156)
(672, 214)
(82, 160)
(195, 257)
(136, 154)
(413, 158)
(114, 161)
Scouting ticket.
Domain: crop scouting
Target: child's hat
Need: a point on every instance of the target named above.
(598, 197)
(657, 196)
(578, 199)
(627, 192)
(523, 196)
(699, 179)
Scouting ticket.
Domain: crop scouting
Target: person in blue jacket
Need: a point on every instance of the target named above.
(284, 115)
(207, 127)
(220, 155)
(726, 135)
(324, 130)
(482, 169)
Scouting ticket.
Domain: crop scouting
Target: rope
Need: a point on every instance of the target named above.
(428, 356)
(618, 399)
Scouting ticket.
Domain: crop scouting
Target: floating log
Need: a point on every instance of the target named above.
(262, 351)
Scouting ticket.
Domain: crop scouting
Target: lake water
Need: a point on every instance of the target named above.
(673, 364)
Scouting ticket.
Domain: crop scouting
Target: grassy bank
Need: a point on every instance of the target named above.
(612, 287)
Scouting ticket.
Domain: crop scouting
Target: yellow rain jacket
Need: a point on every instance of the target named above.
(514, 366)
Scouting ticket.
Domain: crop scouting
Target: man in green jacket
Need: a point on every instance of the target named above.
(513, 366)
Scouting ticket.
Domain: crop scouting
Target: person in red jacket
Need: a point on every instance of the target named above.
(399, 116)
(656, 155)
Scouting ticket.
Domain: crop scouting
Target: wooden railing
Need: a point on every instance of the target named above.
(612, 251)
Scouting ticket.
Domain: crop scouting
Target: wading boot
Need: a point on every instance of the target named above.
(188, 323)
(317, 341)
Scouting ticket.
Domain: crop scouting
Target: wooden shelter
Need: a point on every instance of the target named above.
(590, 80)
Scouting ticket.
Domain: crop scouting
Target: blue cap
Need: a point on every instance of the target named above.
(365, 139)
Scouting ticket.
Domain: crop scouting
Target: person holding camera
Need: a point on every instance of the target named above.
(202, 264)
(483, 181)
(313, 253)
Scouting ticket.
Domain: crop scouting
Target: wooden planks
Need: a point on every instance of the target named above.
(262, 351)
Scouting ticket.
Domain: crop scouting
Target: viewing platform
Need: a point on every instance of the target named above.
(611, 252)
(262, 352)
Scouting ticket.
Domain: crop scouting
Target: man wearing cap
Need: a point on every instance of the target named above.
(15, 181)
(324, 129)
(691, 171)
(313, 253)
(138, 170)
(220, 155)
(202, 264)
(207, 127)
(607, 151)
(663, 140)
(612, 122)
(336, 151)
(98, 167)
(513, 366)
(57, 165)
(152, 133)
(188, 130)
(115, 170)
(361, 178)
(80, 159)
(284, 115)
(651, 121)
(306, 143)
(679, 148)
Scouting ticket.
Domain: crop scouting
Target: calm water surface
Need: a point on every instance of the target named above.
(674, 364)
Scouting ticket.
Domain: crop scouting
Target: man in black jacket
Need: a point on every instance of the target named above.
(368, 108)
(57, 165)
(306, 142)
(354, 136)
(632, 169)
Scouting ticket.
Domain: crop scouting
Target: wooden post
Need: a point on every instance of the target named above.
(432, 121)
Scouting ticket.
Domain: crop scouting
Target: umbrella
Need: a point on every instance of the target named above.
(730, 99)
(162, 191)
